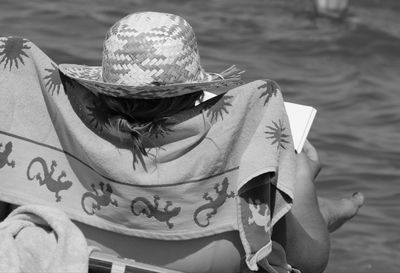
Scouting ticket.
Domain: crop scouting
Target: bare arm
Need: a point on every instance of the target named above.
(302, 232)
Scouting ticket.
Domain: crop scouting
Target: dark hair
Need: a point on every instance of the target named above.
(142, 118)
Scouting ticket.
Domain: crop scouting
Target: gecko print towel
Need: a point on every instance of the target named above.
(57, 149)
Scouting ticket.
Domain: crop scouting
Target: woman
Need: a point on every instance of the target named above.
(148, 171)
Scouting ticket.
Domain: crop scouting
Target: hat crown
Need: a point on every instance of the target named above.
(151, 48)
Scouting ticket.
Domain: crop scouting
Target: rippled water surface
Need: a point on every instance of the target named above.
(349, 71)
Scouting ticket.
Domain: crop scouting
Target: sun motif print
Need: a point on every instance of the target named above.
(12, 51)
(271, 89)
(53, 82)
(277, 134)
(220, 108)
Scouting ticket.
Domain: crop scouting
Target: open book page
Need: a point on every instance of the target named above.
(300, 117)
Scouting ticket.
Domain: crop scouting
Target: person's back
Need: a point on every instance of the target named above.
(235, 141)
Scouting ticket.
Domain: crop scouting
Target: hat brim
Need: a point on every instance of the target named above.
(91, 78)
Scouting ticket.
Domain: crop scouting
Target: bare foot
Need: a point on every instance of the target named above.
(337, 212)
(334, 212)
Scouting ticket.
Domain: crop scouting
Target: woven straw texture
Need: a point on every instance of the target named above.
(148, 55)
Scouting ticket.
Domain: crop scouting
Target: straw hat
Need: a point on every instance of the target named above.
(150, 55)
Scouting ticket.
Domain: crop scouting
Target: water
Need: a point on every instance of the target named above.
(350, 71)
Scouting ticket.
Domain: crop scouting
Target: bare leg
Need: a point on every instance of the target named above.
(334, 212)
(337, 212)
(302, 232)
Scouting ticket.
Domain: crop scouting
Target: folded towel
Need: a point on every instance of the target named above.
(36, 238)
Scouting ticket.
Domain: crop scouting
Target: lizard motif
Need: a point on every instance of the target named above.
(213, 204)
(257, 217)
(141, 205)
(5, 154)
(99, 201)
(52, 185)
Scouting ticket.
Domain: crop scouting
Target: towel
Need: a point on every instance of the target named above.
(41, 239)
(58, 149)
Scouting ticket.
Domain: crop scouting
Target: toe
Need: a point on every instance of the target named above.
(350, 206)
(358, 199)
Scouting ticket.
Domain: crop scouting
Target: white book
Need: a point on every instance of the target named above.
(300, 117)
